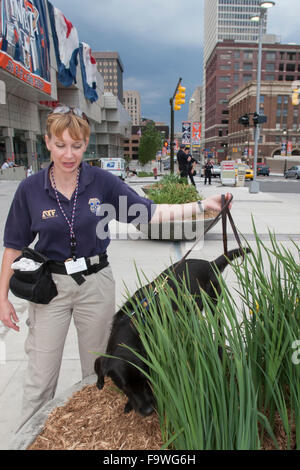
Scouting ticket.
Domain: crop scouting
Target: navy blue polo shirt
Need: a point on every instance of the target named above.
(35, 211)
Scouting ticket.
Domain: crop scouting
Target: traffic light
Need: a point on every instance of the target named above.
(255, 119)
(244, 120)
(295, 97)
(259, 119)
(166, 144)
(179, 98)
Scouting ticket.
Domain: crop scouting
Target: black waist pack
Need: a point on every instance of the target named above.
(35, 286)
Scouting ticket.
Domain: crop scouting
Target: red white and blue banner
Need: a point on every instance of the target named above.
(186, 132)
(88, 71)
(24, 42)
(66, 45)
(196, 133)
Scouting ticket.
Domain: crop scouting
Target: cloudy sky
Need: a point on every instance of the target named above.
(159, 42)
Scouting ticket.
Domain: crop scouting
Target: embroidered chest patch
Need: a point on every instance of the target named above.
(49, 214)
(94, 204)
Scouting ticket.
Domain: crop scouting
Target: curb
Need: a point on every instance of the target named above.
(28, 433)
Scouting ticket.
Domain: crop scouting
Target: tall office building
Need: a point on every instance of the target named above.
(111, 68)
(132, 104)
(228, 19)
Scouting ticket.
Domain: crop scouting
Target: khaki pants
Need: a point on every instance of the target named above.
(92, 306)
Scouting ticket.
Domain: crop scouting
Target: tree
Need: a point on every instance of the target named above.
(150, 143)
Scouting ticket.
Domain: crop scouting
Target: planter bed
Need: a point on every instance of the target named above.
(95, 420)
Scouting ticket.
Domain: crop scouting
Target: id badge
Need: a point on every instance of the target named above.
(73, 267)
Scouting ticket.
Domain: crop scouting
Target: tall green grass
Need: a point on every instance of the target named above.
(210, 401)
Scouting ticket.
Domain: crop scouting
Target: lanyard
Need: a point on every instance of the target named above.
(70, 223)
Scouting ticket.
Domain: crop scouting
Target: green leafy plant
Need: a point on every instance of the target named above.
(231, 401)
(144, 174)
(150, 143)
(172, 189)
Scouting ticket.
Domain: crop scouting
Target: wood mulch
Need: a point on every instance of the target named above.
(94, 420)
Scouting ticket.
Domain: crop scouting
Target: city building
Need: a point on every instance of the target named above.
(27, 98)
(230, 66)
(132, 103)
(195, 106)
(110, 66)
(131, 144)
(228, 20)
(279, 136)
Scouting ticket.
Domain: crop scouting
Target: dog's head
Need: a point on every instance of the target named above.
(130, 380)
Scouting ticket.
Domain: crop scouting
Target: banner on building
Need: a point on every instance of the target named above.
(24, 42)
(289, 148)
(196, 133)
(66, 45)
(88, 71)
(186, 132)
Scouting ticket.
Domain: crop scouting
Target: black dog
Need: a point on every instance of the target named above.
(127, 377)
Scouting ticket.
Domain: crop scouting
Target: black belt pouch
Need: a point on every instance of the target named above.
(35, 286)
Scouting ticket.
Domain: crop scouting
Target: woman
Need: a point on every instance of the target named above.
(62, 205)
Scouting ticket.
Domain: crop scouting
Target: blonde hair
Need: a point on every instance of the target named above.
(57, 123)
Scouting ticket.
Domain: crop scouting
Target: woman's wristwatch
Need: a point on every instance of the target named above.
(200, 205)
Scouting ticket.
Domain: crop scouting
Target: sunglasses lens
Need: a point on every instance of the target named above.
(61, 110)
(66, 110)
(77, 112)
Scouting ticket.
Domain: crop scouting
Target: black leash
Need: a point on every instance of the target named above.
(224, 213)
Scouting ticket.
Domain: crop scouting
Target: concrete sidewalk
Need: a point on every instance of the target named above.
(278, 212)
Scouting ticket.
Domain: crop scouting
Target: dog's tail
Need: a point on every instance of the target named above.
(223, 260)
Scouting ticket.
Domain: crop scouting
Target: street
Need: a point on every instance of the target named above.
(277, 184)
(268, 184)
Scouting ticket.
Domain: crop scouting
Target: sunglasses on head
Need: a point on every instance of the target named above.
(67, 109)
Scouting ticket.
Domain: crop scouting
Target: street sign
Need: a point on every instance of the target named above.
(241, 172)
(228, 172)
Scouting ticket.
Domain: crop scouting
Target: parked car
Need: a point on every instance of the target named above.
(216, 171)
(248, 174)
(293, 172)
(167, 165)
(263, 169)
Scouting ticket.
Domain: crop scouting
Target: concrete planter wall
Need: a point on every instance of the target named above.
(186, 230)
(30, 431)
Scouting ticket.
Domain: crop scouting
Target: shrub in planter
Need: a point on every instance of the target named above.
(249, 398)
(172, 189)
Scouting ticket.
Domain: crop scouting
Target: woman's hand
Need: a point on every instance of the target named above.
(215, 203)
(8, 315)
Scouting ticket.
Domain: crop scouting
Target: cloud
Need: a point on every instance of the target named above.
(160, 41)
(283, 20)
(170, 23)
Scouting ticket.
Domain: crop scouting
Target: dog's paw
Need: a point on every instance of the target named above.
(128, 407)
(100, 383)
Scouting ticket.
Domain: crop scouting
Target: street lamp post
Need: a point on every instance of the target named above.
(264, 5)
(192, 100)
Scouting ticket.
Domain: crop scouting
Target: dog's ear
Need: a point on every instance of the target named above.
(99, 372)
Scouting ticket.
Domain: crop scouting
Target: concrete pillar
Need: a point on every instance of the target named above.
(30, 138)
(8, 135)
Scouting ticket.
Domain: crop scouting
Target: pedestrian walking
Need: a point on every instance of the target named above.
(183, 161)
(191, 166)
(66, 206)
(207, 171)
